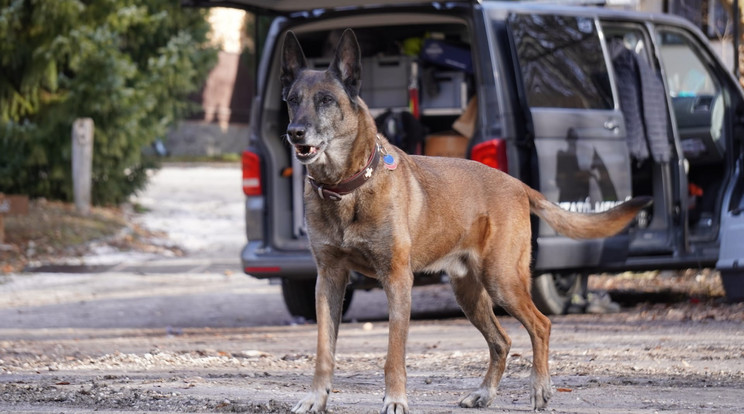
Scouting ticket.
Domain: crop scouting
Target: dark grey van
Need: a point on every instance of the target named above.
(588, 105)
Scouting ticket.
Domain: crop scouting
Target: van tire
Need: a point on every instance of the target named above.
(552, 292)
(299, 297)
(733, 284)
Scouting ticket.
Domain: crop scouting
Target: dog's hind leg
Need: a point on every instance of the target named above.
(329, 297)
(513, 294)
(478, 307)
(538, 327)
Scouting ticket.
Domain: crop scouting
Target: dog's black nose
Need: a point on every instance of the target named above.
(296, 133)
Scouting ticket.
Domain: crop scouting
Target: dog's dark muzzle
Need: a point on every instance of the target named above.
(296, 134)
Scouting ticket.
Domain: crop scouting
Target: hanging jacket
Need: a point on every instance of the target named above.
(643, 102)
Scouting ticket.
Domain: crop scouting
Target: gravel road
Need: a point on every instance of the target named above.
(193, 334)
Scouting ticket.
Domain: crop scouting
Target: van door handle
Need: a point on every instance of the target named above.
(611, 125)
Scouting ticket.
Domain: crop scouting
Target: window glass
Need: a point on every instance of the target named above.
(686, 74)
(561, 61)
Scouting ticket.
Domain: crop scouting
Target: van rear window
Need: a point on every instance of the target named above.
(561, 61)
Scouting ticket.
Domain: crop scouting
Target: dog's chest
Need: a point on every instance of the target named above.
(339, 224)
(352, 227)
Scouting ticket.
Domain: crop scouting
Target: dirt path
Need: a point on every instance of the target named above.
(209, 342)
(626, 363)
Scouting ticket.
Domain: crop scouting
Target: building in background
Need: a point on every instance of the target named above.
(221, 127)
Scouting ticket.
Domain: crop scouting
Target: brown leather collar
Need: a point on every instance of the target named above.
(350, 184)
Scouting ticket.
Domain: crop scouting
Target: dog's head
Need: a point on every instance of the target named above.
(322, 104)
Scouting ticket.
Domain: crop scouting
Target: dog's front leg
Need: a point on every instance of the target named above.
(329, 297)
(398, 290)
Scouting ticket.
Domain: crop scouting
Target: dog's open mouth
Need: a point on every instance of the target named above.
(306, 152)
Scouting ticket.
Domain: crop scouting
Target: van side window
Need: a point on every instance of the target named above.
(563, 66)
(686, 75)
(696, 98)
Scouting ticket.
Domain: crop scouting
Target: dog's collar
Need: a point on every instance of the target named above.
(350, 184)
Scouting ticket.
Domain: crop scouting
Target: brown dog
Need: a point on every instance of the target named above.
(373, 209)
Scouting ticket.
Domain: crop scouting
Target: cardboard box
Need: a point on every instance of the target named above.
(446, 144)
(465, 124)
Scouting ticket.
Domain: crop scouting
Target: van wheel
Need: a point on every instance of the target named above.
(552, 292)
(733, 284)
(299, 297)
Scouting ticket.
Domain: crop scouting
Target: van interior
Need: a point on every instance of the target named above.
(417, 79)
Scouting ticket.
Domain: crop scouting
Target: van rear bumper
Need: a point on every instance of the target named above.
(263, 262)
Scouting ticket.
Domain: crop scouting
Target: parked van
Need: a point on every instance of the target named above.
(590, 106)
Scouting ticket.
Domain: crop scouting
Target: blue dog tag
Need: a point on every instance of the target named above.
(390, 162)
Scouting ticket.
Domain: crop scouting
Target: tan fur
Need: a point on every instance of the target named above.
(429, 214)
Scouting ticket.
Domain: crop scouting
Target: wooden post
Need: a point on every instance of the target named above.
(2, 214)
(82, 163)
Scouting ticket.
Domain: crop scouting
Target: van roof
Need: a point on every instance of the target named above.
(290, 6)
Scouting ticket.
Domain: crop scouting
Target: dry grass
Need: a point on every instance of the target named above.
(689, 282)
(54, 229)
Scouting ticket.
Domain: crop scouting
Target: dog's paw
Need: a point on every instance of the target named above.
(479, 398)
(314, 402)
(394, 406)
(541, 393)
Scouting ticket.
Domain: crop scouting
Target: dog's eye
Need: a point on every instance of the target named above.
(293, 99)
(326, 99)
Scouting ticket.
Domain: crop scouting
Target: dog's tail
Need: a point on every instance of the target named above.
(586, 225)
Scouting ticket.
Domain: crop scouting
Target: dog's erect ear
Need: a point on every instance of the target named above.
(293, 61)
(347, 64)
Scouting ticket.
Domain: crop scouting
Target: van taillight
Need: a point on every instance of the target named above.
(251, 174)
(492, 153)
